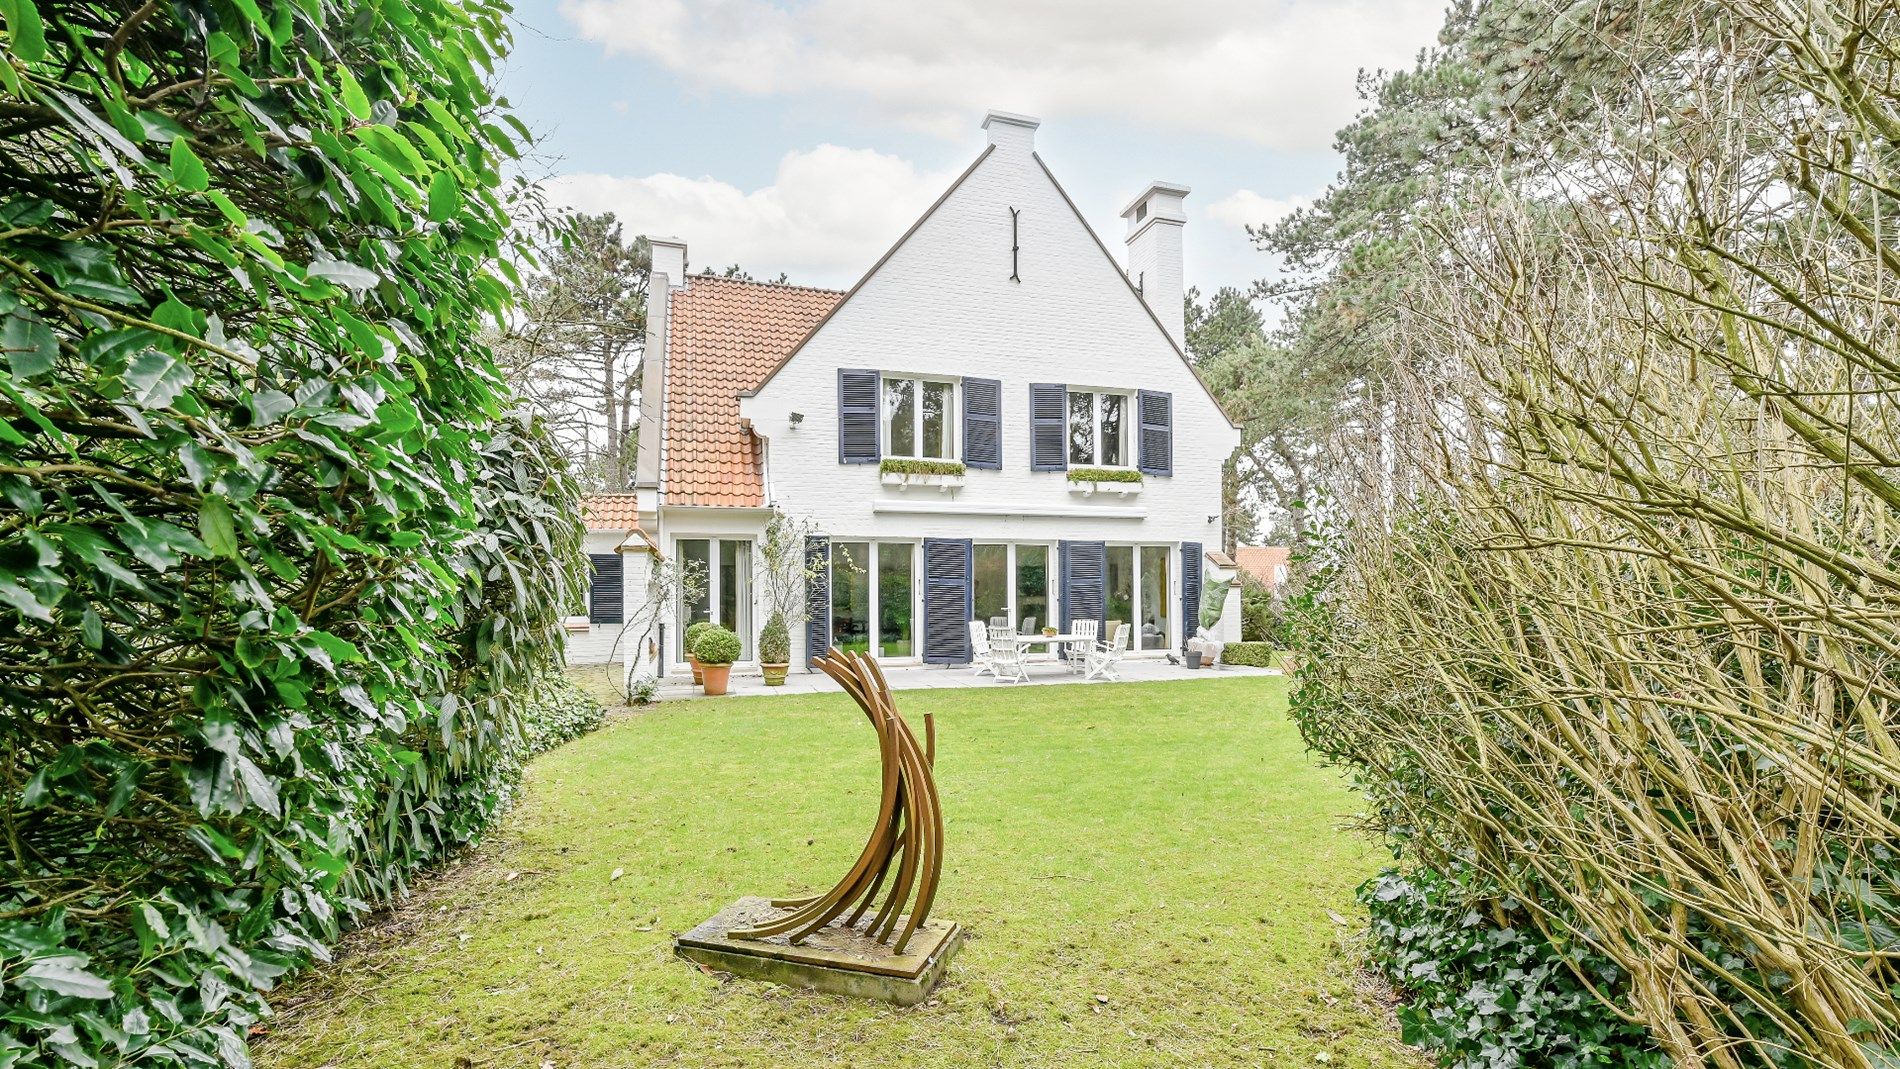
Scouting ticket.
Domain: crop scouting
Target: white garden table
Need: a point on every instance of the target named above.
(1054, 642)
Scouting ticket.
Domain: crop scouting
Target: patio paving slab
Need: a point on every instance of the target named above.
(749, 683)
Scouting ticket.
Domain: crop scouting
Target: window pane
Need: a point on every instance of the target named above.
(1112, 428)
(1032, 588)
(937, 420)
(894, 597)
(696, 557)
(1121, 589)
(1153, 634)
(735, 592)
(851, 596)
(1081, 428)
(900, 417)
(991, 581)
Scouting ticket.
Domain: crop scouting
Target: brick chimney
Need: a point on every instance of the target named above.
(1155, 219)
(1010, 132)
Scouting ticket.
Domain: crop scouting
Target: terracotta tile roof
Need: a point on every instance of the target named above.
(611, 512)
(725, 337)
(1261, 561)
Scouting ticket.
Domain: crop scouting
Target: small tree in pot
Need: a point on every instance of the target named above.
(716, 649)
(783, 572)
(691, 646)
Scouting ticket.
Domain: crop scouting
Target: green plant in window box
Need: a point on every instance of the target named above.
(775, 650)
(905, 466)
(691, 645)
(1104, 475)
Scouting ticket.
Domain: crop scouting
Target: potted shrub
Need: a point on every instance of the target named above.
(717, 649)
(692, 644)
(775, 650)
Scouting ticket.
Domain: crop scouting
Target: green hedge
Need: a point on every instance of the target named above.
(906, 466)
(279, 563)
(1104, 475)
(1252, 654)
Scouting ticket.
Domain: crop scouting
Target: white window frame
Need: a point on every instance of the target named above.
(1052, 588)
(1137, 601)
(873, 576)
(713, 591)
(1095, 419)
(917, 416)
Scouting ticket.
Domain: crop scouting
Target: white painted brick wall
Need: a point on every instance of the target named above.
(596, 644)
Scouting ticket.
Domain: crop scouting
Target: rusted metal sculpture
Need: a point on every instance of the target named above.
(908, 833)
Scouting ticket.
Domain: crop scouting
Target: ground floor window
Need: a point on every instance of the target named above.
(1138, 595)
(873, 597)
(726, 598)
(1010, 582)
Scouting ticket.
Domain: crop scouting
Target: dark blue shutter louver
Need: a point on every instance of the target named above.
(1048, 427)
(1191, 562)
(1156, 412)
(983, 424)
(606, 588)
(817, 597)
(1084, 582)
(948, 600)
(857, 417)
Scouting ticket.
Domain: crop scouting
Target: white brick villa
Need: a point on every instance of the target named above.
(999, 333)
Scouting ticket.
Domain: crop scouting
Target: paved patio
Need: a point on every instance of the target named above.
(936, 677)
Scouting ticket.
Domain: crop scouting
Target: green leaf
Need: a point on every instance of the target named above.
(187, 169)
(26, 34)
(343, 273)
(216, 527)
(445, 196)
(154, 378)
(353, 96)
(32, 348)
(64, 979)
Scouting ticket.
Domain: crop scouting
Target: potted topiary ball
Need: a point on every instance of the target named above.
(692, 642)
(716, 650)
(775, 650)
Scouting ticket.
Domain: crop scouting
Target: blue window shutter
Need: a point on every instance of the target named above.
(1048, 427)
(1191, 561)
(983, 424)
(817, 597)
(857, 417)
(1084, 582)
(948, 600)
(1155, 410)
(606, 587)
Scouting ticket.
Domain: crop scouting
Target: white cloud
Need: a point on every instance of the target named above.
(1244, 207)
(1280, 73)
(829, 213)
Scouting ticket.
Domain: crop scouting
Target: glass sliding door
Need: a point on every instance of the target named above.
(735, 592)
(1032, 589)
(1121, 589)
(896, 593)
(851, 596)
(990, 574)
(724, 568)
(1152, 634)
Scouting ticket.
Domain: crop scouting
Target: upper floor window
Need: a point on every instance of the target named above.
(1098, 429)
(917, 419)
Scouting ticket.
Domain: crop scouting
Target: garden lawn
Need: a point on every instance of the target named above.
(1151, 874)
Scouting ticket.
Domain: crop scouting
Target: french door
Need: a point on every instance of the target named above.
(725, 597)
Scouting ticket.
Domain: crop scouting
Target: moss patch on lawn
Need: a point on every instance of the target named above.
(1150, 873)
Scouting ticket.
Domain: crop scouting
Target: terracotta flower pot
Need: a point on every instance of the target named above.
(774, 674)
(717, 676)
(698, 673)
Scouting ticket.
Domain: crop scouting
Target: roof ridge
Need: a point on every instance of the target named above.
(691, 280)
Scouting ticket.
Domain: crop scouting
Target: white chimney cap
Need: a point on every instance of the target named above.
(1011, 118)
(1157, 189)
(1012, 133)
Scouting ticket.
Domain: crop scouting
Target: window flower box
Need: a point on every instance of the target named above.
(577, 624)
(945, 475)
(1121, 482)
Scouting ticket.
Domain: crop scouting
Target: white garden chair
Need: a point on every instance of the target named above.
(1077, 652)
(1006, 655)
(1102, 658)
(979, 650)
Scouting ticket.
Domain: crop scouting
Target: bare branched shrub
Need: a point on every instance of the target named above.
(1612, 612)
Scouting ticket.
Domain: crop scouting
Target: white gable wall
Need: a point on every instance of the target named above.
(943, 304)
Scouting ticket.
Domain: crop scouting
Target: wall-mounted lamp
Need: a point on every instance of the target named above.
(1213, 519)
(797, 418)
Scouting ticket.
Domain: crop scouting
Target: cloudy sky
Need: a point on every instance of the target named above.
(805, 137)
